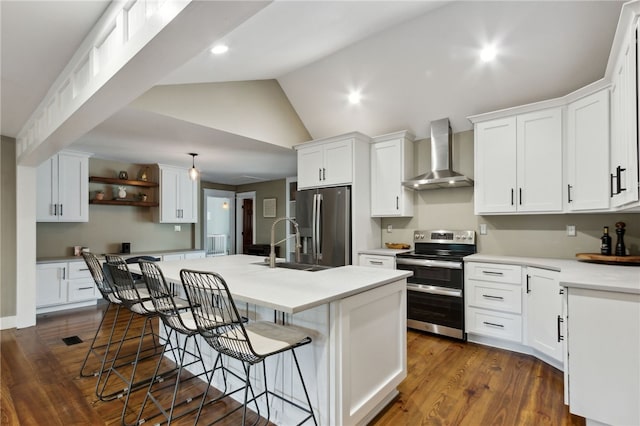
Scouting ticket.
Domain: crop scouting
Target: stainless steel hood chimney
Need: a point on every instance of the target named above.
(441, 174)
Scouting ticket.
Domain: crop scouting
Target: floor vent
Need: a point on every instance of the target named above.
(73, 340)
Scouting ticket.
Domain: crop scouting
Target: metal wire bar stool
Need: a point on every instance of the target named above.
(217, 320)
(179, 321)
(142, 306)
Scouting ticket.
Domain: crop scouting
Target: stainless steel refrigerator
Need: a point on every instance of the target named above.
(324, 220)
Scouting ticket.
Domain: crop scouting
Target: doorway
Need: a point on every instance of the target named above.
(245, 221)
(218, 230)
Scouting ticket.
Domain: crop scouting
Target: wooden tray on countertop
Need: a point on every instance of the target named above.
(610, 260)
(397, 246)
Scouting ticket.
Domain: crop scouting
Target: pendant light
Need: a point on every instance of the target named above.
(193, 172)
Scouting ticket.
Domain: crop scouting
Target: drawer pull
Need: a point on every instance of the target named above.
(488, 296)
(375, 262)
(83, 269)
(493, 324)
(499, 274)
(85, 288)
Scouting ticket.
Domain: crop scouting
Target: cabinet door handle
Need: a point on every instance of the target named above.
(60, 209)
(499, 274)
(520, 195)
(560, 321)
(64, 273)
(511, 196)
(397, 203)
(569, 200)
(324, 174)
(528, 288)
(488, 296)
(319, 174)
(561, 291)
(620, 170)
(493, 324)
(613, 177)
(55, 209)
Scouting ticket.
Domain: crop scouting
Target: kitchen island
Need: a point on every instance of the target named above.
(356, 317)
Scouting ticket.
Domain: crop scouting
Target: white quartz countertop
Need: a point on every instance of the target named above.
(384, 251)
(125, 255)
(574, 273)
(286, 290)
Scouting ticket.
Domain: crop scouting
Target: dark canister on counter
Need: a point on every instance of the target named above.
(126, 248)
(605, 242)
(620, 248)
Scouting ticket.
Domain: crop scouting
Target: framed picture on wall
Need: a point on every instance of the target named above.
(269, 207)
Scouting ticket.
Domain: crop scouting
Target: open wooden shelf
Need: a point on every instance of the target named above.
(125, 203)
(115, 181)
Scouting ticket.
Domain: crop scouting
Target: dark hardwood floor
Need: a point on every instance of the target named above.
(449, 382)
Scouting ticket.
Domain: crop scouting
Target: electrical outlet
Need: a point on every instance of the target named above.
(483, 229)
(571, 230)
(389, 228)
(177, 228)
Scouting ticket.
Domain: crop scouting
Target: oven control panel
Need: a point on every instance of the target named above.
(444, 236)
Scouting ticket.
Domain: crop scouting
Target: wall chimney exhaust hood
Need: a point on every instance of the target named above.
(441, 174)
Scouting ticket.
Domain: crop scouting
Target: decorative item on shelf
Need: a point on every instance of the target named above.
(100, 195)
(620, 248)
(144, 176)
(193, 172)
(122, 192)
(143, 197)
(123, 175)
(77, 250)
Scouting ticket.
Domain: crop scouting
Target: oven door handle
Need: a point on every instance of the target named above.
(428, 263)
(432, 289)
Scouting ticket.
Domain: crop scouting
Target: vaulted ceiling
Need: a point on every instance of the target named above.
(412, 62)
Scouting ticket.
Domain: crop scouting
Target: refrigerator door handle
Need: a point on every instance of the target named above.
(319, 228)
(314, 221)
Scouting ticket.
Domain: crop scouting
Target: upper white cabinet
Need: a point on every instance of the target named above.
(587, 165)
(391, 163)
(624, 119)
(63, 194)
(544, 313)
(178, 196)
(518, 163)
(325, 164)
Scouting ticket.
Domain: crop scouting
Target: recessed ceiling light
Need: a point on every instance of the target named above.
(219, 49)
(488, 53)
(354, 97)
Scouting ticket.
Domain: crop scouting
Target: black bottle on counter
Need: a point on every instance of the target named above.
(605, 242)
(620, 248)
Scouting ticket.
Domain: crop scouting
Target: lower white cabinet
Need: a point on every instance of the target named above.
(493, 294)
(603, 338)
(544, 312)
(64, 285)
(377, 261)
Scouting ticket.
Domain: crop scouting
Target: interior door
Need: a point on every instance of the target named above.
(247, 224)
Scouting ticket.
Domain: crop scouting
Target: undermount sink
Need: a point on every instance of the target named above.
(297, 266)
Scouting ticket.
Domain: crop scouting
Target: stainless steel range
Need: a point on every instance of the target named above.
(435, 292)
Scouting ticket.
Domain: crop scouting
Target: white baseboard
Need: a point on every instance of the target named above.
(7, 322)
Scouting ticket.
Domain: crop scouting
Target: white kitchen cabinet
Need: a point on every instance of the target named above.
(377, 261)
(544, 312)
(518, 164)
(63, 188)
(624, 119)
(391, 164)
(81, 285)
(493, 295)
(178, 196)
(51, 284)
(588, 182)
(603, 340)
(322, 164)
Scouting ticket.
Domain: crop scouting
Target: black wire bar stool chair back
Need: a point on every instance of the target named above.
(178, 319)
(219, 323)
